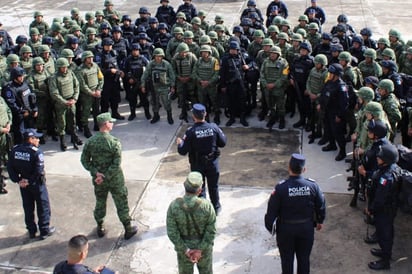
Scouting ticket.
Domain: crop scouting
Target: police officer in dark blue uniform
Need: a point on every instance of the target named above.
(162, 38)
(166, 13)
(297, 205)
(334, 100)
(382, 204)
(390, 71)
(189, 9)
(202, 142)
(26, 167)
(120, 45)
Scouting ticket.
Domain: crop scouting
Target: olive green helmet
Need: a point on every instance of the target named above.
(201, 13)
(218, 18)
(37, 13)
(205, 39)
(389, 52)
(99, 13)
(258, 33)
(91, 31)
(219, 27)
(387, 85)
(178, 30)
(196, 20)
(395, 33)
(12, 58)
(158, 52)
(285, 22)
(74, 11)
(89, 15)
(206, 48)
(374, 108)
(212, 35)
(297, 37)
(56, 27)
(188, 34)
(370, 53)
(34, 31)
(385, 41)
(267, 42)
(303, 18)
(277, 20)
(313, 26)
(321, 59)
(25, 49)
(182, 47)
(345, 56)
(108, 3)
(67, 53)
(181, 15)
(273, 28)
(62, 62)
(366, 93)
(42, 49)
(283, 35)
(38, 61)
(276, 49)
(302, 32)
(87, 54)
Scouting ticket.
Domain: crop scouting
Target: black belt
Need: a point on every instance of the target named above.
(298, 221)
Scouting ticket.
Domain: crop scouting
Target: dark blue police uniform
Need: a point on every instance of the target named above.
(202, 142)
(26, 162)
(65, 268)
(295, 204)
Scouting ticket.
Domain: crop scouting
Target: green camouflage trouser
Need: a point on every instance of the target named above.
(89, 105)
(206, 94)
(160, 96)
(65, 116)
(276, 102)
(205, 264)
(119, 195)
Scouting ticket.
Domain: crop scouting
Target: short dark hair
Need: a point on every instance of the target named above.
(78, 242)
(296, 169)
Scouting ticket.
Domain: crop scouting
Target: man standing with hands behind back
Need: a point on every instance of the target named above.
(297, 205)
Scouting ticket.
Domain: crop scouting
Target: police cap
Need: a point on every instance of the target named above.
(297, 161)
(31, 132)
(193, 182)
(199, 110)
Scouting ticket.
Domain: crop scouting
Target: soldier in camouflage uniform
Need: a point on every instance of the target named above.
(405, 62)
(369, 67)
(191, 227)
(45, 54)
(91, 84)
(26, 58)
(365, 95)
(91, 41)
(39, 23)
(101, 156)
(34, 41)
(183, 64)
(274, 78)
(390, 104)
(174, 42)
(110, 14)
(205, 75)
(64, 90)
(5, 126)
(160, 72)
(283, 43)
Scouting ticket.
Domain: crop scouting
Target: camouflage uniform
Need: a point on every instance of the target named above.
(5, 119)
(370, 69)
(191, 224)
(391, 106)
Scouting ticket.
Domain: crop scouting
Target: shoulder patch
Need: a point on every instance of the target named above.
(34, 148)
(281, 182)
(310, 179)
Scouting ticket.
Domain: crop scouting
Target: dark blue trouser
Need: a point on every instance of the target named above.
(210, 172)
(385, 233)
(36, 196)
(295, 239)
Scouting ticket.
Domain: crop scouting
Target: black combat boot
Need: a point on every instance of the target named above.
(63, 145)
(101, 230)
(230, 122)
(130, 231)
(216, 119)
(243, 120)
(170, 118)
(282, 122)
(155, 118)
(341, 155)
(86, 132)
(76, 141)
(132, 114)
(300, 123)
(147, 113)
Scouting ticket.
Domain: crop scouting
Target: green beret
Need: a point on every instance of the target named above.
(193, 182)
(105, 117)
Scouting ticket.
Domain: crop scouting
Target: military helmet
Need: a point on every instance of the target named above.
(90, 31)
(117, 29)
(373, 80)
(99, 13)
(388, 153)
(182, 47)
(378, 128)
(21, 39)
(340, 28)
(108, 3)
(213, 35)
(89, 15)
(369, 52)
(34, 31)
(302, 32)
(321, 59)
(258, 33)
(74, 11)
(253, 15)
(107, 42)
(385, 41)
(16, 72)
(142, 36)
(387, 85)
(237, 29)
(153, 20)
(42, 49)
(277, 20)
(326, 36)
(395, 33)
(143, 10)
(251, 3)
(178, 30)
(283, 35)
(285, 22)
(336, 47)
(158, 52)
(136, 46)
(366, 32)
(345, 56)
(276, 49)
(181, 15)
(62, 62)
(305, 45)
(342, 18)
(12, 58)
(37, 61)
(234, 45)
(87, 54)
(219, 18)
(219, 27)
(25, 49)
(72, 40)
(267, 42)
(196, 20)
(246, 22)
(188, 34)
(104, 25)
(313, 26)
(389, 52)
(37, 13)
(201, 13)
(374, 108)
(206, 48)
(273, 28)
(162, 26)
(366, 93)
(67, 53)
(303, 18)
(336, 69)
(75, 27)
(357, 39)
(389, 64)
(205, 39)
(296, 37)
(126, 17)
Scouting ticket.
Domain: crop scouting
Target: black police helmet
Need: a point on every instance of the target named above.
(336, 69)
(136, 46)
(234, 45)
(388, 153)
(378, 128)
(16, 72)
(107, 42)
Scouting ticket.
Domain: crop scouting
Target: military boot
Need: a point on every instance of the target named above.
(170, 118)
(86, 132)
(282, 122)
(63, 145)
(130, 231)
(216, 120)
(76, 141)
(147, 113)
(101, 231)
(155, 118)
(132, 114)
(243, 120)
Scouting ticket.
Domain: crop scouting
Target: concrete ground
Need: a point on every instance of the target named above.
(242, 244)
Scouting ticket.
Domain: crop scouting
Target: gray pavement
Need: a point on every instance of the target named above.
(242, 244)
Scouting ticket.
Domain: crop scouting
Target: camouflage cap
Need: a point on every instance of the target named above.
(193, 182)
(105, 117)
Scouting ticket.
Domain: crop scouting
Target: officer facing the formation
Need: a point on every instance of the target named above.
(297, 205)
(22, 103)
(202, 142)
(382, 204)
(232, 83)
(26, 167)
(101, 156)
(5, 139)
(64, 90)
(91, 83)
(192, 236)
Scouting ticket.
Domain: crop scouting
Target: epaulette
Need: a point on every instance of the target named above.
(310, 179)
(281, 182)
(34, 148)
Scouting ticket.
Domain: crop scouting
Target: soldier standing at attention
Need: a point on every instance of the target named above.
(191, 227)
(101, 156)
(5, 126)
(202, 142)
(297, 205)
